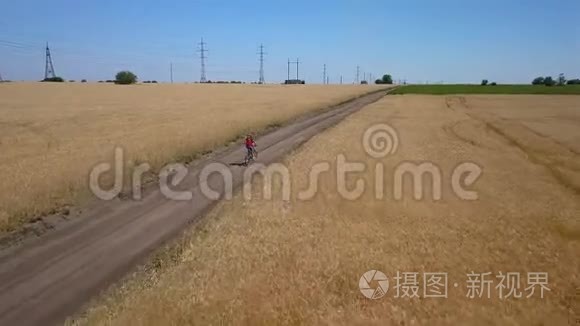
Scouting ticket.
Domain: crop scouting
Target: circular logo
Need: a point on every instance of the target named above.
(380, 140)
(365, 284)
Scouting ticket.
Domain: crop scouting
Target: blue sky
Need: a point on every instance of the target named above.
(450, 41)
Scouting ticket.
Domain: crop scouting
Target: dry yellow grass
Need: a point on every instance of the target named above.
(299, 262)
(52, 134)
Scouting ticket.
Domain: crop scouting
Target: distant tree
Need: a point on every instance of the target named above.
(83, 81)
(538, 81)
(561, 80)
(154, 81)
(109, 81)
(493, 84)
(573, 82)
(100, 81)
(387, 79)
(71, 81)
(364, 82)
(125, 78)
(484, 82)
(54, 79)
(549, 81)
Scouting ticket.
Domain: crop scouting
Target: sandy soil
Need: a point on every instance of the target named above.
(51, 135)
(265, 262)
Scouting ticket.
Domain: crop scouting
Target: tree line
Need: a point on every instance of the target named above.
(127, 77)
(122, 78)
(560, 81)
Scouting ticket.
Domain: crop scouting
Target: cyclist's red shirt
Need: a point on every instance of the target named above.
(249, 142)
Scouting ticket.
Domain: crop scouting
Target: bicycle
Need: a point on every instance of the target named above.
(251, 156)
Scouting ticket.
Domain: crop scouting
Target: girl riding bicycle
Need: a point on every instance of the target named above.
(251, 147)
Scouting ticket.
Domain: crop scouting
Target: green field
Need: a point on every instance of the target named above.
(477, 89)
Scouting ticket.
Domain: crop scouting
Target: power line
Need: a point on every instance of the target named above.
(202, 50)
(8, 45)
(18, 45)
(261, 79)
(341, 79)
(357, 74)
(297, 65)
(171, 72)
(28, 48)
(141, 53)
(48, 68)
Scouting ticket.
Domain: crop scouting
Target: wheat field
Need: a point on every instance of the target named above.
(271, 262)
(52, 134)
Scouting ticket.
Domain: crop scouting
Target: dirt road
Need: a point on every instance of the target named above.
(49, 278)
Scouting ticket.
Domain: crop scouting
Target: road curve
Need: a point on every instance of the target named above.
(49, 278)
